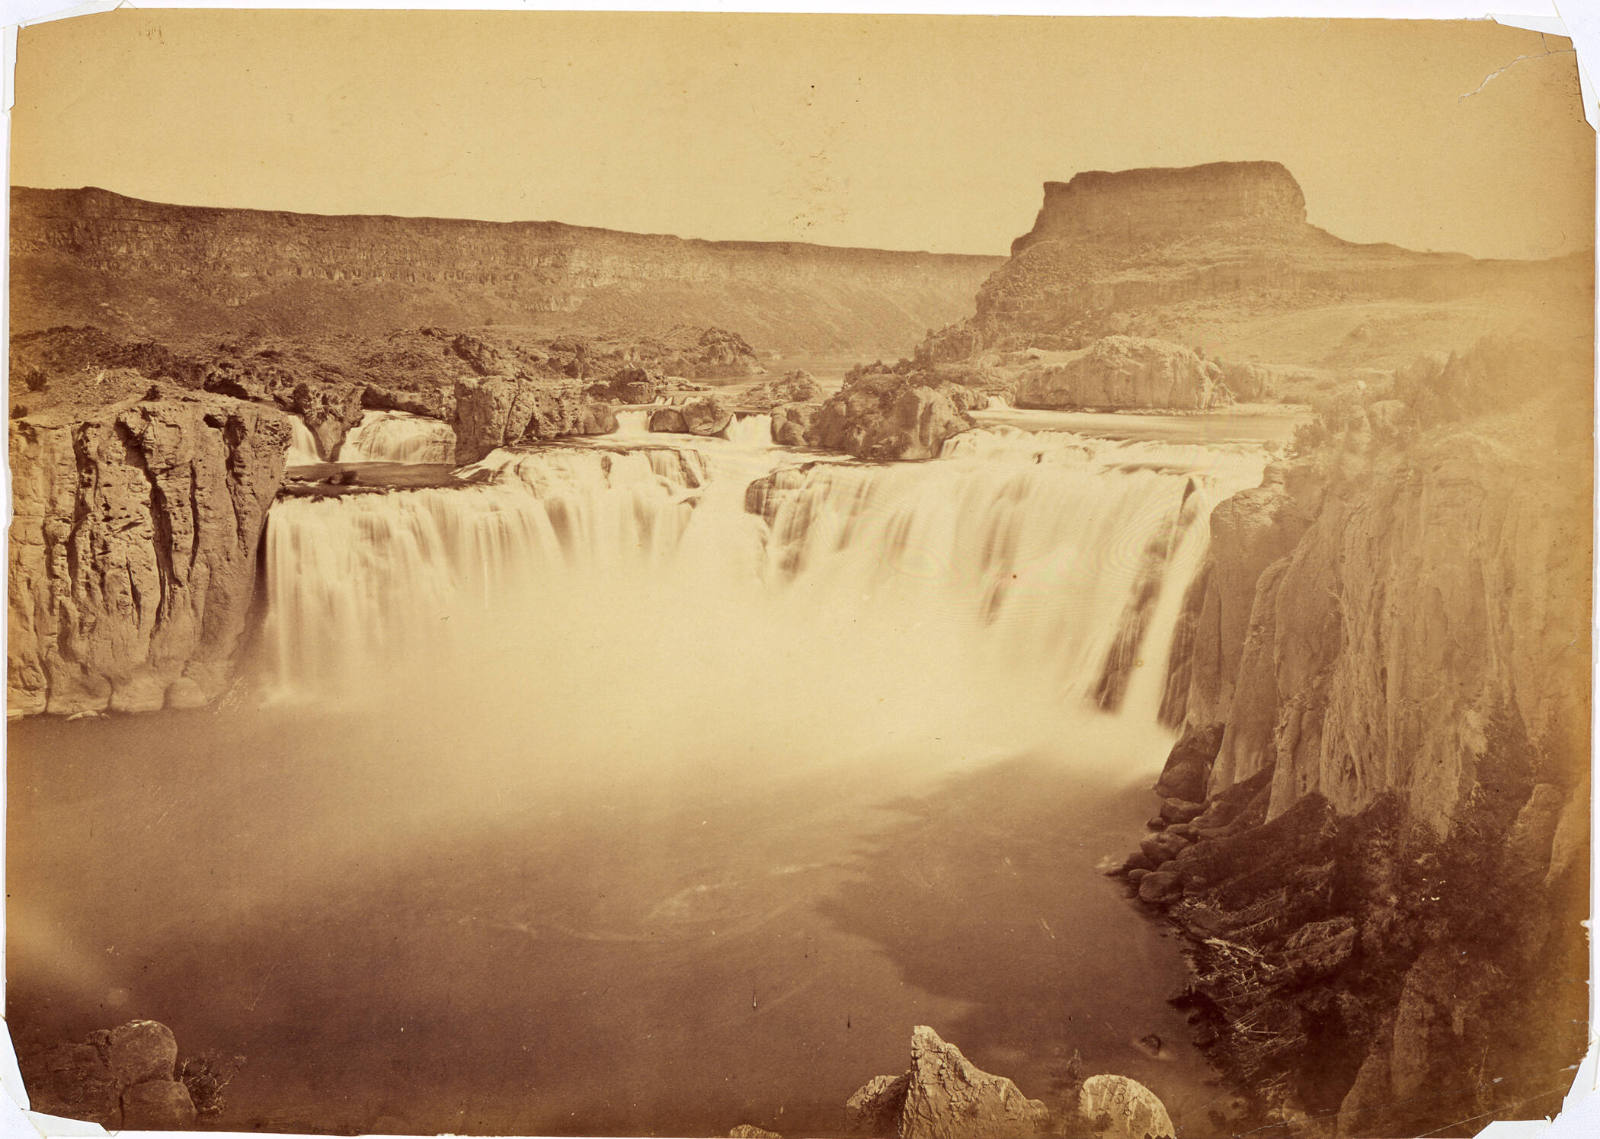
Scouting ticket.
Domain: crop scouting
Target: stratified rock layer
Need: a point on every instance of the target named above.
(133, 550)
(78, 256)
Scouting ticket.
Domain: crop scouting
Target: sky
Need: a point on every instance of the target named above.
(896, 132)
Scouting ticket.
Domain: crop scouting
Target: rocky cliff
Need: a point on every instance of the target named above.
(93, 257)
(1120, 372)
(1376, 821)
(133, 549)
(1222, 256)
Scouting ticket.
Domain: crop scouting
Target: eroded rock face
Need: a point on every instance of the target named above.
(886, 417)
(943, 1096)
(1126, 372)
(157, 1105)
(133, 550)
(1126, 1108)
(499, 411)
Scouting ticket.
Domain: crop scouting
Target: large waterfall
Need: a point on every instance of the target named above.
(977, 597)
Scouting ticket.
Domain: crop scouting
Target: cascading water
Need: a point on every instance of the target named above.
(303, 448)
(397, 437)
(750, 431)
(1018, 578)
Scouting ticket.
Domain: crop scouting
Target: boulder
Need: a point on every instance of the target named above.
(882, 416)
(943, 1096)
(704, 415)
(157, 1105)
(1160, 887)
(791, 422)
(1188, 765)
(1162, 846)
(75, 1082)
(795, 387)
(1121, 1108)
(668, 419)
(595, 419)
(1181, 810)
(141, 1050)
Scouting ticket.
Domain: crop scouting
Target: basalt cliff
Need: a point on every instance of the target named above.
(1221, 256)
(1375, 826)
(93, 257)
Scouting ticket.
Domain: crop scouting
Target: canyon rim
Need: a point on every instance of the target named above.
(629, 574)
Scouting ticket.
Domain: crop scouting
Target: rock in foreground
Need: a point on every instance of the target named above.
(943, 1096)
(884, 416)
(125, 1078)
(1121, 1108)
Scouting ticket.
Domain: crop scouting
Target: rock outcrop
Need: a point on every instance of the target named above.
(943, 1096)
(1222, 255)
(883, 416)
(133, 550)
(1388, 720)
(1120, 372)
(77, 253)
(124, 1078)
(501, 411)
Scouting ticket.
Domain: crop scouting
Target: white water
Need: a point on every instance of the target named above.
(625, 602)
(303, 449)
(397, 437)
(750, 431)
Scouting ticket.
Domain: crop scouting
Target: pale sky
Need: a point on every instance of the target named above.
(897, 132)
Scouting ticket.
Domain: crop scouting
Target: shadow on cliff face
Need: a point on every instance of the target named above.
(987, 893)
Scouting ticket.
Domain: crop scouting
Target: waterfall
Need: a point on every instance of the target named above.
(398, 437)
(303, 448)
(750, 431)
(1018, 579)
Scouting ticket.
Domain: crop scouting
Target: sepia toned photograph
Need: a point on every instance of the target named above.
(684, 574)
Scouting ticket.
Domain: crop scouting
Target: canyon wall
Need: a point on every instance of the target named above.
(1221, 256)
(133, 550)
(1383, 776)
(93, 257)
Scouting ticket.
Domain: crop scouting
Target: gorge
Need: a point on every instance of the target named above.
(612, 698)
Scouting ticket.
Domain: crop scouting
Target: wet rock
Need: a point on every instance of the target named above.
(1160, 887)
(1155, 823)
(1137, 876)
(1121, 1108)
(751, 1131)
(886, 417)
(668, 419)
(875, 1107)
(704, 415)
(791, 422)
(157, 1105)
(595, 419)
(141, 1050)
(1188, 765)
(1162, 846)
(1181, 810)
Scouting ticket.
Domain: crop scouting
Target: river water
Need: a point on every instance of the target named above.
(615, 797)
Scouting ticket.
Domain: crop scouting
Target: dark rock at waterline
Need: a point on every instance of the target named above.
(1137, 875)
(886, 416)
(1160, 886)
(791, 422)
(1162, 845)
(704, 415)
(157, 1105)
(668, 419)
(1155, 823)
(943, 1096)
(1188, 765)
(595, 419)
(1181, 810)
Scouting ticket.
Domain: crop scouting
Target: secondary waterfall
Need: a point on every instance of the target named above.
(396, 437)
(303, 448)
(969, 600)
